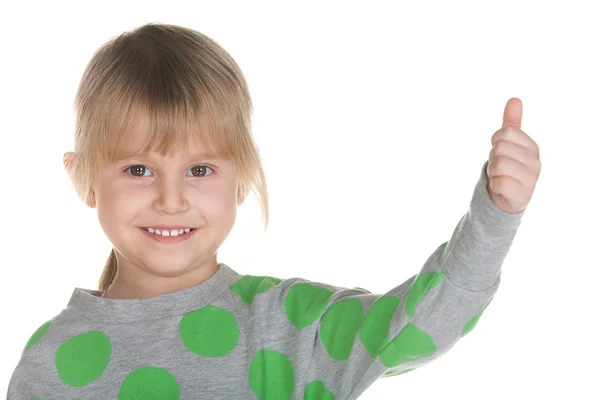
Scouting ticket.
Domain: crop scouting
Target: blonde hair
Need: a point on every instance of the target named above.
(185, 86)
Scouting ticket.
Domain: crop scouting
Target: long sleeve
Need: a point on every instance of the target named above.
(18, 389)
(342, 340)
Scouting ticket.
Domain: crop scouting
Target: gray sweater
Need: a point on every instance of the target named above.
(261, 337)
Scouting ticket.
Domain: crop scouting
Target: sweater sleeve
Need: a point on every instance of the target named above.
(18, 388)
(345, 339)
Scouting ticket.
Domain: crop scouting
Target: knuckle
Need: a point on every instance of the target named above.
(502, 162)
(502, 146)
(504, 182)
(498, 184)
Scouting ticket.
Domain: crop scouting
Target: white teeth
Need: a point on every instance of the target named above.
(166, 232)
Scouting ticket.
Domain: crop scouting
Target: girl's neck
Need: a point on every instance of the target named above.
(131, 282)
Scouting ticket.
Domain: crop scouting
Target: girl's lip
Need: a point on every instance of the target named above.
(169, 227)
(169, 239)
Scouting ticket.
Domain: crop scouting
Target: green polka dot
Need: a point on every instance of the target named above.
(304, 303)
(410, 344)
(339, 327)
(395, 373)
(41, 331)
(149, 383)
(83, 358)
(473, 321)
(209, 331)
(443, 245)
(374, 331)
(249, 286)
(271, 376)
(316, 390)
(424, 283)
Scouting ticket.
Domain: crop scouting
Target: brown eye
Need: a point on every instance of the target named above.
(201, 170)
(137, 170)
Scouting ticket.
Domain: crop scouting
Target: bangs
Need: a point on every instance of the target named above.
(137, 130)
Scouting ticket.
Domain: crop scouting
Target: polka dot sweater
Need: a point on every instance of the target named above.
(262, 337)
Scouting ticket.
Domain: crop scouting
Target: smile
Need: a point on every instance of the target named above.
(168, 232)
(169, 235)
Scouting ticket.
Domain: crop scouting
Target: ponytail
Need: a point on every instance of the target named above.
(110, 270)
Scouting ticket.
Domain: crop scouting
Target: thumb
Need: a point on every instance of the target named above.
(513, 111)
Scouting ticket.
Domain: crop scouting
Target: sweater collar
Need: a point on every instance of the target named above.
(89, 304)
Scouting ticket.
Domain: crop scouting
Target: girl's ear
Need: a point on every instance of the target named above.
(67, 161)
(67, 158)
(242, 192)
(91, 200)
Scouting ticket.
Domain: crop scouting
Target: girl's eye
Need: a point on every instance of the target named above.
(137, 170)
(201, 170)
(197, 171)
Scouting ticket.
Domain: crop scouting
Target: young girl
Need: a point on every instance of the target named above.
(163, 150)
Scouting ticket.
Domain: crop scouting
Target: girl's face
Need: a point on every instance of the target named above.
(187, 190)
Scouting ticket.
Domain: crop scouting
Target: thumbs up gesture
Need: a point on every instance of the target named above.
(514, 162)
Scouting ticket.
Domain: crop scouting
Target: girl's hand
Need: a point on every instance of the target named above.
(514, 162)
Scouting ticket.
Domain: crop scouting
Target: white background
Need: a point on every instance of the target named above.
(373, 123)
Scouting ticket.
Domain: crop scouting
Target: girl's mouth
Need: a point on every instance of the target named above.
(169, 235)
